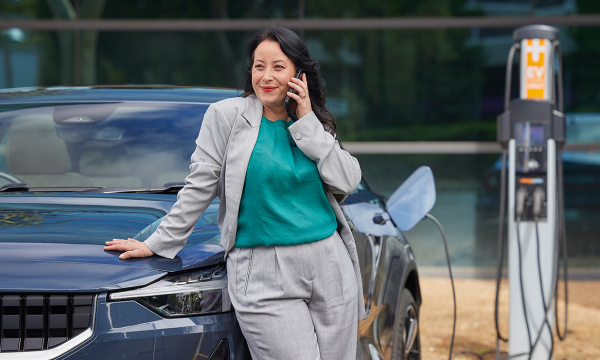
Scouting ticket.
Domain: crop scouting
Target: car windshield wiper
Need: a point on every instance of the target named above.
(169, 188)
(16, 187)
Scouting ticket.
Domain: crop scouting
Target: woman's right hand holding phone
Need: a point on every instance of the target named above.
(301, 96)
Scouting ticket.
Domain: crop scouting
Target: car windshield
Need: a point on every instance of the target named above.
(134, 145)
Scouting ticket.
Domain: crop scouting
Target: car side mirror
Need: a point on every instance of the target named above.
(413, 199)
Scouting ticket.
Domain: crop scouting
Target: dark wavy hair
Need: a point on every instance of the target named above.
(293, 47)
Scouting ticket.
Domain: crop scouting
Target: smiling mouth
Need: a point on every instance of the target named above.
(267, 88)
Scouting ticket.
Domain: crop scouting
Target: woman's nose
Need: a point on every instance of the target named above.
(268, 75)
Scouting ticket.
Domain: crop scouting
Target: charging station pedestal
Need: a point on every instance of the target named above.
(530, 130)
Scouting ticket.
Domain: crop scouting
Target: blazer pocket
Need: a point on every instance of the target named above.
(248, 269)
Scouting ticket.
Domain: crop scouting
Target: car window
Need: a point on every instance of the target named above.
(583, 128)
(124, 144)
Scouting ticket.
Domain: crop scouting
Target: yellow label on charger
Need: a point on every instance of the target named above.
(536, 71)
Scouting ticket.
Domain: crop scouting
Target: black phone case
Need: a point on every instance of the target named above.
(287, 99)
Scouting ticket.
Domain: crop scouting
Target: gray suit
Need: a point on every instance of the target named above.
(223, 148)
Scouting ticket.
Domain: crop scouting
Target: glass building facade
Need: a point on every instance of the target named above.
(425, 71)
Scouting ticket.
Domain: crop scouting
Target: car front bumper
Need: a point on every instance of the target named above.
(129, 330)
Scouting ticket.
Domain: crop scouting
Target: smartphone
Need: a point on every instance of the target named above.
(289, 108)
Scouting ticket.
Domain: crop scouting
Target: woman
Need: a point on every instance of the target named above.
(291, 259)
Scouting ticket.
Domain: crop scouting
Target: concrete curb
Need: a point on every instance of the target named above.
(465, 272)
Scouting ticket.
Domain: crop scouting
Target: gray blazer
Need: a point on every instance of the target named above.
(227, 137)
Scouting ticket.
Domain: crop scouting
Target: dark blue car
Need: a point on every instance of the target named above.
(80, 166)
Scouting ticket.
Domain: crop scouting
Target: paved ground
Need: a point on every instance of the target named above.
(456, 210)
(475, 329)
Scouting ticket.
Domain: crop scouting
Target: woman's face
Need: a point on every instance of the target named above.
(271, 72)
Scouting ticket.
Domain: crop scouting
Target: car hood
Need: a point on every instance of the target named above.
(54, 242)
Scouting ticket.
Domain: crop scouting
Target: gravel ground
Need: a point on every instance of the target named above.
(475, 330)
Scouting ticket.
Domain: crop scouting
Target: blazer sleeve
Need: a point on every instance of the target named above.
(201, 186)
(339, 170)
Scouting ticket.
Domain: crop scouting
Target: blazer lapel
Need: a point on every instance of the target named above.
(242, 141)
(254, 111)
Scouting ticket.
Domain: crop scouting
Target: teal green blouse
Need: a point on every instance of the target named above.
(284, 200)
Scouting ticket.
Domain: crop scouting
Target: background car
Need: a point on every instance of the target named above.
(80, 166)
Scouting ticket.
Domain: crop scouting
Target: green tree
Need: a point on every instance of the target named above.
(404, 77)
(387, 79)
(581, 64)
(74, 45)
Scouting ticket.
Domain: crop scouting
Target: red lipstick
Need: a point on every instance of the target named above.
(268, 88)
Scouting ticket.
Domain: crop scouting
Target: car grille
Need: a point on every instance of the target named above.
(38, 322)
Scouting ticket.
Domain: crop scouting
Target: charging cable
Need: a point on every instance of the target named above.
(520, 203)
(519, 207)
(561, 233)
(538, 199)
(451, 355)
(439, 226)
(500, 261)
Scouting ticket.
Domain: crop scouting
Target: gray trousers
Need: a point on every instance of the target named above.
(296, 302)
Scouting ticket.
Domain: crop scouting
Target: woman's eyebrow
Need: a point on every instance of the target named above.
(273, 62)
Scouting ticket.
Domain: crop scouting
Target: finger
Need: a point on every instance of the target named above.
(304, 85)
(115, 241)
(294, 96)
(141, 251)
(117, 247)
(297, 80)
(300, 82)
(130, 254)
(120, 245)
(110, 245)
(300, 94)
(120, 241)
(128, 248)
(296, 86)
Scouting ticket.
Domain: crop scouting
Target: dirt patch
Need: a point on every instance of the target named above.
(475, 330)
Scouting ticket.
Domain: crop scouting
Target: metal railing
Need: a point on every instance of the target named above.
(299, 24)
(441, 147)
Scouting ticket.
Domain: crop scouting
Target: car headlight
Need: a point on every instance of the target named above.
(199, 292)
